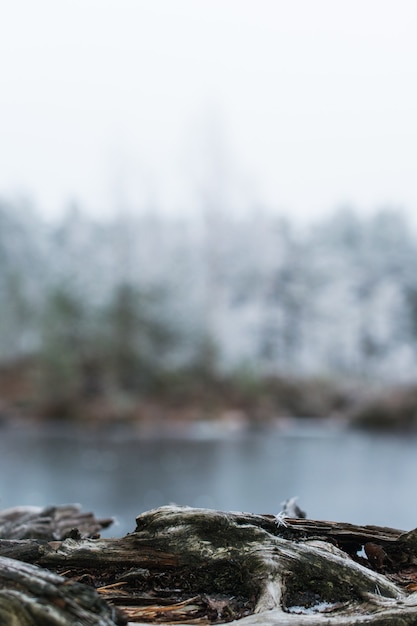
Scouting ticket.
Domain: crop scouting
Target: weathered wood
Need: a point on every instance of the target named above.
(53, 522)
(185, 565)
(31, 596)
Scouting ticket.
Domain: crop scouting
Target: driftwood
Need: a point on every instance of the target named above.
(183, 565)
(53, 522)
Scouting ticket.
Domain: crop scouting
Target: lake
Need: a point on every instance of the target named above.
(337, 475)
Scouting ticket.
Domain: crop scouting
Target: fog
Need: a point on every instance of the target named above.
(295, 106)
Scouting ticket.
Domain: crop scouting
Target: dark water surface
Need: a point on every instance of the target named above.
(345, 476)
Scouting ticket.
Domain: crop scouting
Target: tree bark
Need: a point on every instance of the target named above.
(185, 565)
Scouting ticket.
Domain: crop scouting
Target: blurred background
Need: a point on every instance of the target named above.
(208, 255)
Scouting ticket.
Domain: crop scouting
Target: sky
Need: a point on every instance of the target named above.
(298, 106)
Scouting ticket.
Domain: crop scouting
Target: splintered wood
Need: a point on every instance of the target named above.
(184, 565)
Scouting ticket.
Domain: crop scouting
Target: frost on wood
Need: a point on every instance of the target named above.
(285, 575)
(186, 565)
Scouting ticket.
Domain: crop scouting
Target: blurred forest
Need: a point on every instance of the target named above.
(108, 318)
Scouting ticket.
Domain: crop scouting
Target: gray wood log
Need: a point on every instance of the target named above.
(53, 522)
(184, 565)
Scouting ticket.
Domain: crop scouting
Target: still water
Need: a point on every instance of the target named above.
(337, 475)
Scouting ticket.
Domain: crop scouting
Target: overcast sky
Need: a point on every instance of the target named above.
(297, 105)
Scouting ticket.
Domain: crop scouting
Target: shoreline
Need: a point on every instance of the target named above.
(215, 405)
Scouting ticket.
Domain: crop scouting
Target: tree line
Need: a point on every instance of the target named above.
(128, 302)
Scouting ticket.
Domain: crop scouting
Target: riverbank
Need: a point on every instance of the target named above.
(177, 396)
(184, 400)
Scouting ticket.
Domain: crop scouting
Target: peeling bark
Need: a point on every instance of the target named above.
(185, 565)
